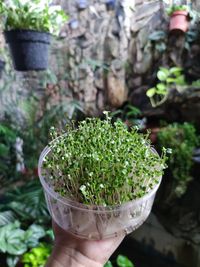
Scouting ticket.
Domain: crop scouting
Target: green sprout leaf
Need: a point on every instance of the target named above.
(162, 75)
(108, 264)
(169, 79)
(123, 261)
(161, 87)
(176, 71)
(151, 92)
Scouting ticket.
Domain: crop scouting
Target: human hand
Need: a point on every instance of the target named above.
(70, 251)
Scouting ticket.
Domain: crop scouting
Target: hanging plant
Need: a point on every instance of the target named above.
(179, 18)
(28, 26)
(168, 78)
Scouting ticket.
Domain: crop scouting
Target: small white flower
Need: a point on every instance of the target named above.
(82, 188)
(101, 185)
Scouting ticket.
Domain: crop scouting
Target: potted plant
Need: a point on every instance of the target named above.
(99, 178)
(28, 26)
(179, 17)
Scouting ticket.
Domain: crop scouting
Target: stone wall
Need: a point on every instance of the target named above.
(142, 58)
(101, 50)
(96, 44)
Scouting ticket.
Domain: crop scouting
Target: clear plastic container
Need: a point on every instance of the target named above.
(94, 222)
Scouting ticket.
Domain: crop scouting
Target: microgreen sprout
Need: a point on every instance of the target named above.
(102, 163)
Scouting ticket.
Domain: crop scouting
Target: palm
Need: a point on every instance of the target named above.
(99, 251)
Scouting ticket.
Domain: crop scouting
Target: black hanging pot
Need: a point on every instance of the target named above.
(2, 65)
(29, 49)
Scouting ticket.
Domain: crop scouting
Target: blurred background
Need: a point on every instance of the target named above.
(122, 56)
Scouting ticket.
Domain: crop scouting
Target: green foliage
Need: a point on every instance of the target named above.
(33, 234)
(37, 256)
(7, 153)
(12, 239)
(196, 84)
(175, 8)
(27, 203)
(128, 114)
(159, 38)
(7, 140)
(95, 64)
(21, 212)
(12, 260)
(108, 264)
(191, 36)
(122, 261)
(157, 35)
(36, 133)
(32, 15)
(103, 163)
(167, 79)
(15, 241)
(182, 139)
(7, 217)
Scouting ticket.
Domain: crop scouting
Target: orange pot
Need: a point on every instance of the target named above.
(179, 21)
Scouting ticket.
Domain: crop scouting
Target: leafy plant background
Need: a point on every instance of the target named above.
(24, 221)
(182, 139)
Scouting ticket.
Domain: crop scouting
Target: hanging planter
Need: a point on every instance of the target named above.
(179, 21)
(28, 28)
(29, 49)
(179, 18)
(99, 179)
(2, 65)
